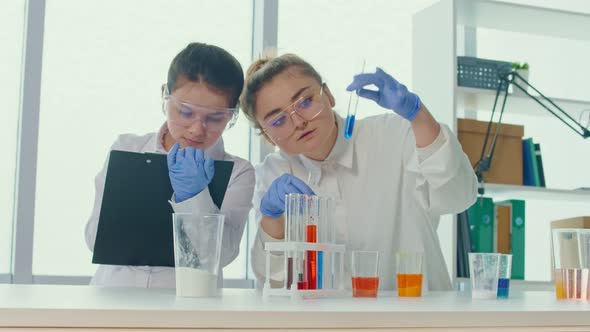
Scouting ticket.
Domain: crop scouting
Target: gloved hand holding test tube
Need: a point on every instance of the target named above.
(390, 93)
(350, 117)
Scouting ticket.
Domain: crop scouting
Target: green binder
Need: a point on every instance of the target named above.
(517, 238)
(541, 171)
(481, 225)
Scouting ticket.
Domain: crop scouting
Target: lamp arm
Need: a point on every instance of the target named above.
(579, 128)
(484, 163)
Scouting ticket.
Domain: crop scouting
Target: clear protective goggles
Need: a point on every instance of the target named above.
(186, 114)
(281, 126)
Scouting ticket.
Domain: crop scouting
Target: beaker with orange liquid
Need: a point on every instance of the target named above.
(365, 273)
(409, 273)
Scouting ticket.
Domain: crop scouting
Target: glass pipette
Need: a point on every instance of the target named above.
(350, 117)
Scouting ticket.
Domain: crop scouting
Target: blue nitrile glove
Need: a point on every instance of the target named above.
(273, 202)
(189, 171)
(391, 94)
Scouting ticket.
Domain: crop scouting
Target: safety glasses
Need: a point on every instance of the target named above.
(281, 126)
(186, 114)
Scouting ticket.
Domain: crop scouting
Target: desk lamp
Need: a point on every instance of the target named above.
(506, 79)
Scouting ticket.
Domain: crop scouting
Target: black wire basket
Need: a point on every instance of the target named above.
(481, 73)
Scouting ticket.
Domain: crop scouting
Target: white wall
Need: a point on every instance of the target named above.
(11, 34)
(104, 62)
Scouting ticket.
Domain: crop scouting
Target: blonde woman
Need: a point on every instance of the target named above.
(392, 180)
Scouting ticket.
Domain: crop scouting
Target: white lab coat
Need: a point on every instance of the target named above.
(236, 206)
(389, 194)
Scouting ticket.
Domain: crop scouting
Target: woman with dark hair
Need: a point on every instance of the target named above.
(391, 180)
(200, 100)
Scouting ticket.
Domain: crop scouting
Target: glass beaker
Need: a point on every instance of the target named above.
(409, 273)
(197, 253)
(484, 269)
(571, 252)
(365, 273)
(504, 276)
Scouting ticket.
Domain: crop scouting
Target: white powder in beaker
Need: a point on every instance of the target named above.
(483, 294)
(195, 283)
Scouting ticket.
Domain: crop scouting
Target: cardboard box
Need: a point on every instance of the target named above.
(506, 165)
(577, 222)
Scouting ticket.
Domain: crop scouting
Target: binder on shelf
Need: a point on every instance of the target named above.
(517, 235)
(459, 249)
(502, 236)
(463, 245)
(530, 172)
(539, 159)
(481, 225)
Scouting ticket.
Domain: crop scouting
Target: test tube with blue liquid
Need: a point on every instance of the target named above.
(325, 260)
(321, 239)
(350, 117)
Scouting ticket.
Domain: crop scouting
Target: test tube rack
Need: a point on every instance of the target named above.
(333, 270)
(313, 262)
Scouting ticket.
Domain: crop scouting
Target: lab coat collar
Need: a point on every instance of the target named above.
(216, 152)
(342, 153)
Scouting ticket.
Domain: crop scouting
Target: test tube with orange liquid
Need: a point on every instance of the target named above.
(365, 273)
(312, 271)
(311, 232)
(409, 274)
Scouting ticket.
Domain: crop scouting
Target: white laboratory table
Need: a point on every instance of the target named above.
(86, 308)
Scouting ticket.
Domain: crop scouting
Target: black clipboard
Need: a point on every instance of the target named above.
(135, 222)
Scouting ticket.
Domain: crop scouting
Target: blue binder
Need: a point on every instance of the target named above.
(530, 174)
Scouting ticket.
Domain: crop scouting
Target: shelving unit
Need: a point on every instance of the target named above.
(479, 99)
(448, 29)
(528, 192)
(508, 16)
